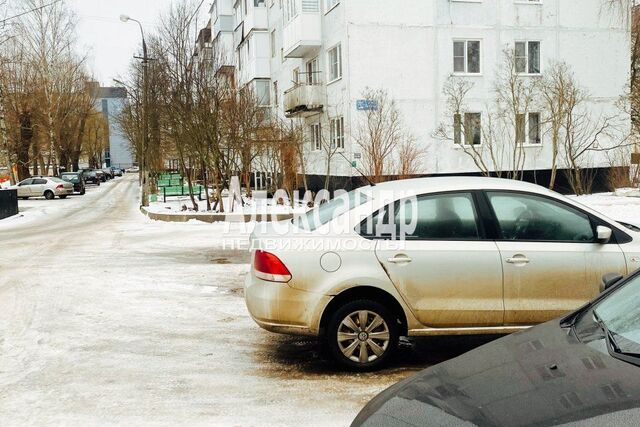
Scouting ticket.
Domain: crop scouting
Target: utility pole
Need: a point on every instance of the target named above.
(144, 170)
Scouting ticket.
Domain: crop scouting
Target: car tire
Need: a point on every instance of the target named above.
(49, 195)
(83, 192)
(352, 346)
(63, 197)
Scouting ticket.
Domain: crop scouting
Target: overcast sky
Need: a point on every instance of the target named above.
(110, 43)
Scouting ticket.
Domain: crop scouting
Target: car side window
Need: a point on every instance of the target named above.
(428, 217)
(26, 182)
(533, 218)
(39, 181)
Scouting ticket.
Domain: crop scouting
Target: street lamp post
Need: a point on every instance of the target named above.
(145, 108)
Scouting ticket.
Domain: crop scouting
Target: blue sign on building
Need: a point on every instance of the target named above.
(366, 104)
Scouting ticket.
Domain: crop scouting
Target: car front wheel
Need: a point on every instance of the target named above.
(362, 335)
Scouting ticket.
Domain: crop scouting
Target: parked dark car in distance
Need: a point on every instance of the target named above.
(583, 369)
(90, 176)
(117, 172)
(77, 179)
(108, 172)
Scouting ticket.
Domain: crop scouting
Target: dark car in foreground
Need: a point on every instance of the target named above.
(583, 369)
(76, 178)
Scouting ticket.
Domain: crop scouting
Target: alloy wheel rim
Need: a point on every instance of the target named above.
(363, 336)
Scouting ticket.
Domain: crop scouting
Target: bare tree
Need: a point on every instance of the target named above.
(379, 133)
(47, 34)
(494, 138)
(409, 159)
(557, 89)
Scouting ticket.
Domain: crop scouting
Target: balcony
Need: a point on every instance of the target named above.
(304, 99)
(223, 51)
(302, 35)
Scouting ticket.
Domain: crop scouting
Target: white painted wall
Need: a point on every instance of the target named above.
(405, 47)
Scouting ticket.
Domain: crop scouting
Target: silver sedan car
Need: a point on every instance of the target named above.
(47, 187)
(432, 256)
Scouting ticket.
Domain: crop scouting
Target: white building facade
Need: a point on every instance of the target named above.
(311, 60)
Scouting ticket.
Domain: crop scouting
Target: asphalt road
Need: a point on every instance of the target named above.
(107, 317)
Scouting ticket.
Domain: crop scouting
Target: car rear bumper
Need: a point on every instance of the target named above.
(277, 307)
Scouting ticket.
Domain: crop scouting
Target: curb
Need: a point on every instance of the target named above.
(213, 218)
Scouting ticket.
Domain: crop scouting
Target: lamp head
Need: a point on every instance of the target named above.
(124, 18)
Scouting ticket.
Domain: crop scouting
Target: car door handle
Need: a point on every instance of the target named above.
(400, 260)
(518, 260)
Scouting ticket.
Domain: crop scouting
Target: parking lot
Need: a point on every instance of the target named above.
(106, 316)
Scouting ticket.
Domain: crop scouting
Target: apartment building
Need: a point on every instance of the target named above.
(311, 60)
(110, 101)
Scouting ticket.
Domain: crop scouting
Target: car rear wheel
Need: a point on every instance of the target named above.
(362, 335)
(49, 195)
(82, 192)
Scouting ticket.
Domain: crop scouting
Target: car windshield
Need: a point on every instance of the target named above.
(327, 211)
(71, 177)
(620, 313)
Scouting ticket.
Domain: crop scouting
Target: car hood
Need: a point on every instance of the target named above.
(544, 376)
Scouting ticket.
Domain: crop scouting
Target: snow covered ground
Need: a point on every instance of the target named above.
(618, 208)
(107, 317)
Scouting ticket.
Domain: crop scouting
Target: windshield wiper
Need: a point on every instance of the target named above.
(609, 335)
(613, 343)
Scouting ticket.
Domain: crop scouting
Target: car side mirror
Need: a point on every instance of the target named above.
(610, 279)
(604, 234)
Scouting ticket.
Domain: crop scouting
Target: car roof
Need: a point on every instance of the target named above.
(456, 183)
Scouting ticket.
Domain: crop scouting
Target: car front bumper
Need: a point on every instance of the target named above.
(277, 307)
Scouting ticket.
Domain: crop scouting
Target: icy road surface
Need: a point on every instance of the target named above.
(107, 317)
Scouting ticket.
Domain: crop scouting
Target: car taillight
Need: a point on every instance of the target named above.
(268, 267)
(59, 187)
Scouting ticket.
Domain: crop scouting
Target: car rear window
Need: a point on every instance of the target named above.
(71, 177)
(56, 179)
(321, 215)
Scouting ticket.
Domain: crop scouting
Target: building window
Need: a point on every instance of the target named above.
(469, 132)
(316, 137)
(528, 128)
(275, 93)
(466, 56)
(310, 6)
(263, 92)
(313, 73)
(527, 57)
(290, 10)
(331, 4)
(335, 63)
(296, 76)
(337, 133)
(273, 43)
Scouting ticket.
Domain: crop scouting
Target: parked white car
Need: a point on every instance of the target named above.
(47, 187)
(479, 256)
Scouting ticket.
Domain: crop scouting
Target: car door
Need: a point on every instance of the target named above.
(444, 268)
(24, 188)
(38, 186)
(551, 258)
